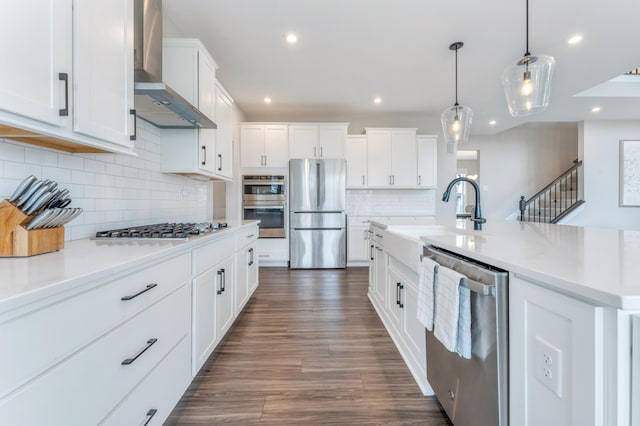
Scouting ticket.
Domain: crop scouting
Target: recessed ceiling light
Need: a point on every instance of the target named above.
(595, 109)
(292, 38)
(377, 100)
(267, 100)
(575, 39)
(493, 122)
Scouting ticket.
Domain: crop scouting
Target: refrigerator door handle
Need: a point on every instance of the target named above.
(318, 186)
(318, 229)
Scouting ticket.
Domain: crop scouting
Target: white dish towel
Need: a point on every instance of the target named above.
(426, 284)
(452, 325)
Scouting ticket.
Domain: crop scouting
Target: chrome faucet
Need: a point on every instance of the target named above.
(477, 218)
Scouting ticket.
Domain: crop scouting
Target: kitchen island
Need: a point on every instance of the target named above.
(574, 289)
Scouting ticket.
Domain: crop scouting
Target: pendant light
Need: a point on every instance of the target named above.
(456, 120)
(527, 82)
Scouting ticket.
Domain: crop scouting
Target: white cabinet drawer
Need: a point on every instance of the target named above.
(159, 391)
(247, 236)
(206, 257)
(31, 343)
(83, 389)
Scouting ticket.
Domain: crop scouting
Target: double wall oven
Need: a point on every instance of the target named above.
(264, 198)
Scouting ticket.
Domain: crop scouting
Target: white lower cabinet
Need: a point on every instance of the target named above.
(152, 400)
(83, 389)
(393, 291)
(204, 317)
(358, 242)
(123, 350)
(224, 296)
(213, 305)
(246, 268)
(555, 358)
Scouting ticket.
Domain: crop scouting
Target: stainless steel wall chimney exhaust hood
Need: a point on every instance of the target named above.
(155, 101)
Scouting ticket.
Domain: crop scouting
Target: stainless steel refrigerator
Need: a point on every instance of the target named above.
(317, 221)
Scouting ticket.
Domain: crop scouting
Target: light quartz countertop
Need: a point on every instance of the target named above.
(594, 264)
(25, 280)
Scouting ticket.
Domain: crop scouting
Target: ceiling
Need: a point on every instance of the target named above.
(350, 51)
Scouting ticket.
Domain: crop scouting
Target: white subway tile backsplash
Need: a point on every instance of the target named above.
(93, 218)
(389, 202)
(94, 166)
(113, 169)
(83, 178)
(14, 170)
(11, 152)
(62, 176)
(115, 191)
(41, 156)
(130, 172)
(69, 161)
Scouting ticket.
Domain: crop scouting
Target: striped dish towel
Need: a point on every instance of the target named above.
(447, 308)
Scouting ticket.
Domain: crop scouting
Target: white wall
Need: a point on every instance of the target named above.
(114, 190)
(521, 161)
(600, 147)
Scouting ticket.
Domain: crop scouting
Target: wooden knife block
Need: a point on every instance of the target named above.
(16, 241)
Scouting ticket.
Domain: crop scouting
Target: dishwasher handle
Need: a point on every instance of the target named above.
(438, 255)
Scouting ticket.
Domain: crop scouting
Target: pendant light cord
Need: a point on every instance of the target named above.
(527, 53)
(456, 104)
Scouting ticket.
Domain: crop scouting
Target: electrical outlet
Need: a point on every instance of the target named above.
(547, 363)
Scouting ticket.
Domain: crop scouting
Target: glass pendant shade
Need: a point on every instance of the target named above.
(527, 84)
(456, 123)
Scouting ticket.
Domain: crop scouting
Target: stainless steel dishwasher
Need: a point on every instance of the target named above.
(474, 391)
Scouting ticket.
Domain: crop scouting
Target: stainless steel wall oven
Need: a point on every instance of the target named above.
(264, 198)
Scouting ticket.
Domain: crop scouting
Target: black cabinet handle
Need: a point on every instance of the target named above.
(150, 343)
(204, 155)
(400, 296)
(135, 125)
(63, 76)
(397, 293)
(251, 256)
(133, 296)
(219, 291)
(220, 162)
(149, 416)
(224, 280)
(371, 252)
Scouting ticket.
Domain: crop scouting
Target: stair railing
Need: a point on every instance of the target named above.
(555, 200)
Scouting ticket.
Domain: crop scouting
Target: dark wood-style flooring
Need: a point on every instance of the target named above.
(308, 349)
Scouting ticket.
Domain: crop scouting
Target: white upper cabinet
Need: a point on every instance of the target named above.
(356, 156)
(103, 69)
(30, 85)
(427, 161)
(264, 145)
(67, 82)
(322, 140)
(224, 134)
(391, 158)
(190, 70)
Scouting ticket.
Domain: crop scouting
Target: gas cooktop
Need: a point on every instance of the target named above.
(164, 231)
